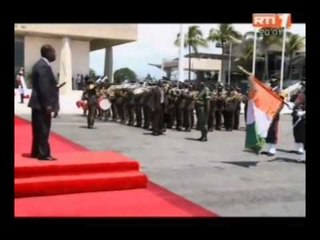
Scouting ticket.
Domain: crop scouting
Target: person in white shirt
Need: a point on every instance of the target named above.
(21, 85)
(78, 81)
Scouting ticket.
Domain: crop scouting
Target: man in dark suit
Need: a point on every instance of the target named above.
(158, 109)
(91, 92)
(43, 101)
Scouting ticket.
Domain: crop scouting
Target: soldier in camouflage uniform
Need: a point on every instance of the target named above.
(146, 109)
(138, 102)
(238, 100)
(219, 107)
(189, 108)
(120, 102)
(180, 105)
(230, 106)
(130, 106)
(170, 110)
(202, 102)
(211, 117)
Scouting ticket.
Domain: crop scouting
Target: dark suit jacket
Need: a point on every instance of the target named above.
(92, 96)
(189, 102)
(157, 99)
(44, 87)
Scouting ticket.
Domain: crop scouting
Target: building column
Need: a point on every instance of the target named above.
(65, 72)
(219, 76)
(108, 64)
(168, 73)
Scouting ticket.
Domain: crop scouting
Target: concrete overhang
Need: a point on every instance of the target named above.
(99, 35)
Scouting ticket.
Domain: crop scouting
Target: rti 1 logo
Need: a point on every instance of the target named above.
(271, 20)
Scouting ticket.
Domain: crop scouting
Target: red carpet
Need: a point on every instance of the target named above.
(74, 163)
(42, 186)
(88, 175)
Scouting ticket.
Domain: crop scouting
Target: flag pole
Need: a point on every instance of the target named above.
(181, 63)
(283, 49)
(254, 52)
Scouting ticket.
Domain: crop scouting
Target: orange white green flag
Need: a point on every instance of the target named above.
(263, 105)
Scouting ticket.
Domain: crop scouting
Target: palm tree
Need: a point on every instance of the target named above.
(246, 55)
(193, 39)
(265, 38)
(293, 45)
(223, 35)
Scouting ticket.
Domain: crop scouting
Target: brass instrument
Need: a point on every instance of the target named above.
(141, 90)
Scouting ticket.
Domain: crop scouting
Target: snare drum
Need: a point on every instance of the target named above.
(104, 104)
(82, 104)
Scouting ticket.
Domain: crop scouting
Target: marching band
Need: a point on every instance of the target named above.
(164, 105)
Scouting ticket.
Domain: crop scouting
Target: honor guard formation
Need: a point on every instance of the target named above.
(163, 105)
(184, 106)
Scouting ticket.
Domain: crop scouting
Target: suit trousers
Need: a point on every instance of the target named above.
(41, 124)
(158, 120)
(91, 114)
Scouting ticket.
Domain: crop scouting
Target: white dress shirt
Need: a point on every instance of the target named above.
(162, 95)
(46, 60)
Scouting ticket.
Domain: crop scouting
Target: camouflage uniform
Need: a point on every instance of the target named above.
(202, 102)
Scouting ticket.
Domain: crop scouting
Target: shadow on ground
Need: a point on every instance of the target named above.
(87, 127)
(245, 164)
(192, 139)
(282, 159)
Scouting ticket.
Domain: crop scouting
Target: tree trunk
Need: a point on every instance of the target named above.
(223, 79)
(189, 74)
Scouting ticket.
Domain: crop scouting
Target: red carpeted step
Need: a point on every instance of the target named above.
(74, 163)
(43, 186)
(55, 170)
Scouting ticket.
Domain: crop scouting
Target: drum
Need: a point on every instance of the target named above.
(78, 103)
(82, 104)
(104, 104)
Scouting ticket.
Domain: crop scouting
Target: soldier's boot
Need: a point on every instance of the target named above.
(204, 134)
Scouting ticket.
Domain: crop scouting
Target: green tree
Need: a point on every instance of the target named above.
(294, 44)
(148, 77)
(92, 74)
(123, 74)
(223, 36)
(245, 60)
(265, 38)
(193, 39)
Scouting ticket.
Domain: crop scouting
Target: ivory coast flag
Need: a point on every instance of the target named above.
(263, 105)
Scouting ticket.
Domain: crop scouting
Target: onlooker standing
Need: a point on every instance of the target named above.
(78, 81)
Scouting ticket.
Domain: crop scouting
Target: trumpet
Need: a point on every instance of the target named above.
(140, 90)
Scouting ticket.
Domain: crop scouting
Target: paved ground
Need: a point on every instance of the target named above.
(218, 175)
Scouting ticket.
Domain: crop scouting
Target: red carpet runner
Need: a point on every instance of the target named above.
(90, 178)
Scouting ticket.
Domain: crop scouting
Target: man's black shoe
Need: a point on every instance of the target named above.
(47, 158)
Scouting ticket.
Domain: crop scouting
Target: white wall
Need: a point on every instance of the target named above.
(79, 50)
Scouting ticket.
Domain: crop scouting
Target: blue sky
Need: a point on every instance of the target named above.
(155, 42)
